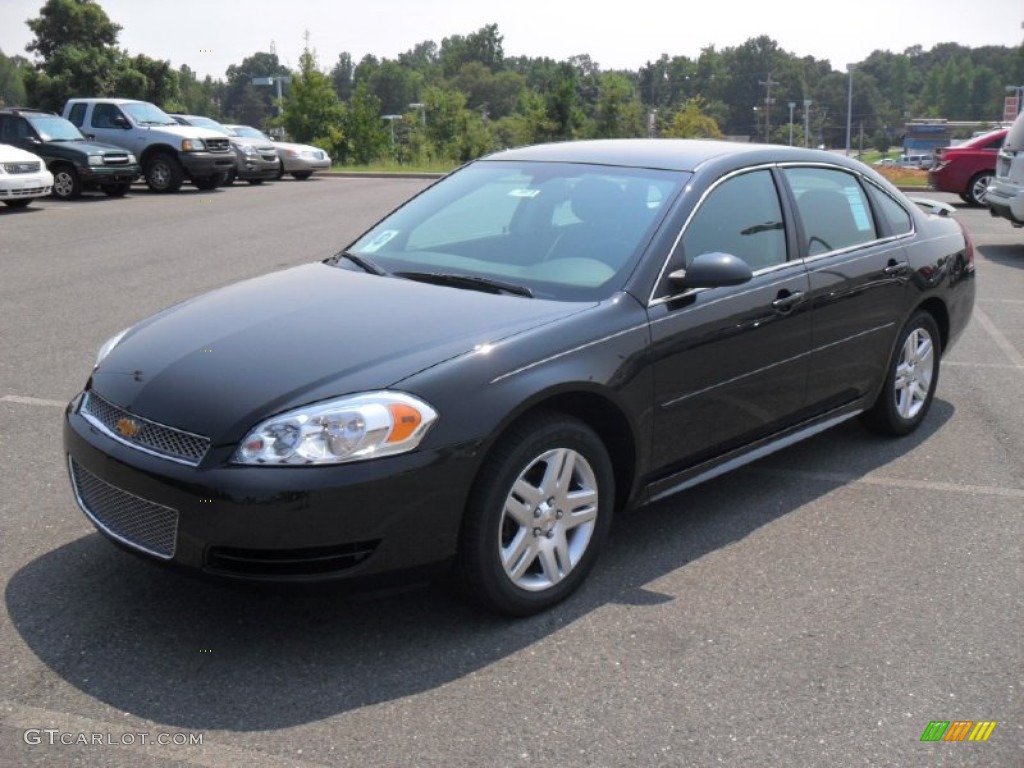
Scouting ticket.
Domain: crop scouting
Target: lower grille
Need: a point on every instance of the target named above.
(218, 145)
(284, 563)
(115, 159)
(144, 525)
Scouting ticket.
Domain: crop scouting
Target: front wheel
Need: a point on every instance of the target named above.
(910, 383)
(208, 182)
(538, 515)
(66, 184)
(163, 174)
(302, 175)
(117, 190)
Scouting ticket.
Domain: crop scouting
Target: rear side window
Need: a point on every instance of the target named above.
(833, 208)
(893, 214)
(77, 114)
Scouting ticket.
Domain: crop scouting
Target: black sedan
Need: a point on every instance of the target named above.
(543, 338)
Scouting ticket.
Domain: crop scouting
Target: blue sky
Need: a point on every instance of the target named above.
(210, 35)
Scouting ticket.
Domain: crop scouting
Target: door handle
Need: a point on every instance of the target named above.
(895, 269)
(786, 300)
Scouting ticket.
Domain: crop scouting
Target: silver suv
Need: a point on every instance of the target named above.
(1005, 195)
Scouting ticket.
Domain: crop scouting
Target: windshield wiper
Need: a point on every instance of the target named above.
(468, 281)
(363, 263)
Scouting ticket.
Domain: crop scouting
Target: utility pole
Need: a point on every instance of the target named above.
(768, 105)
(807, 122)
(792, 105)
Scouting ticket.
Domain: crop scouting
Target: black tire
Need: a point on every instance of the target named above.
(975, 193)
(66, 183)
(910, 382)
(519, 564)
(280, 172)
(117, 190)
(302, 175)
(21, 202)
(163, 173)
(255, 182)
(230, 178)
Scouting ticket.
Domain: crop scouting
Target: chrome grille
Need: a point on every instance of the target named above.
(171, 443)
(142, 524)
(218, 145)
(26, 167)
(115, 159)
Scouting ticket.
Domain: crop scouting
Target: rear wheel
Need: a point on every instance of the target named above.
(255, 181)
(302, 175)
(230, 178)
(976, 188)
(66, 184)
(207, 182)
(910, 383)
(163, 174)
(538, 515)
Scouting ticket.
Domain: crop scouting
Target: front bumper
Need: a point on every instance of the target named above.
(303, 163)
(270, 523)
(257, 167)
(200, 165)
(101, 175)
(21, 185)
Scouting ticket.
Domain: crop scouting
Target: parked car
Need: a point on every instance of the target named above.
(76, 163)
(1005, 195)
(23, 177)
(169, 153)
(300, 160)
(967, 169)
(256, 160)
(540, 340)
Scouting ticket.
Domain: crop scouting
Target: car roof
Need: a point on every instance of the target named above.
(667, 154)
(27, 112)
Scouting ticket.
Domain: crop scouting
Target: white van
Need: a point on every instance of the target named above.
(1005, 195)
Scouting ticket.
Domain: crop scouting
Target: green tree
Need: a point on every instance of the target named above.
(690, 122)
(12, 84)
(247, 103)
(366, 137)
(618, 113)
(341, 75)
(311, 111)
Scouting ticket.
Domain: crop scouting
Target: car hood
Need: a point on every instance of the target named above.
(258, 143)
(188, 131)
(11, 154)
(217, 364)
(89, 147)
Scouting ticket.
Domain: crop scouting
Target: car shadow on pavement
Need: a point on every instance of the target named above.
(1007, 255)
(204, 655)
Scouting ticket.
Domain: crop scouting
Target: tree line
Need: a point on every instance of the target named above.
(459, 99)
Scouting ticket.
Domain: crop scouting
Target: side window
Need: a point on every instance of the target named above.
(833, 209)
(77, 114)
(14, 128)
(893, 213)
(103, 115)
(741, 217)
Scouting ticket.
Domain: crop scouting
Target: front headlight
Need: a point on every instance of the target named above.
(95, 159)
(347, 429)
(192, 145)
(108, 345)
(247, 150)
(131, 158)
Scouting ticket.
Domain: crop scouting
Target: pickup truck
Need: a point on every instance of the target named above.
(169, 153)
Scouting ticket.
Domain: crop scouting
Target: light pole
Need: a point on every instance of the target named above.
(277, 80)
(423, 111)
(792, 105)
(807, 122)
(849, 109)
(391, 119)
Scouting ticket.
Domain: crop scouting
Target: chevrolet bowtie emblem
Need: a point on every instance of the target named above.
(127, 427)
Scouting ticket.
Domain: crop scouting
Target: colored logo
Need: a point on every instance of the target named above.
(127, 427)
(958, 730)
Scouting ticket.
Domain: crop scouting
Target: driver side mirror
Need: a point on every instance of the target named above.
(120, 121)
(712, 270)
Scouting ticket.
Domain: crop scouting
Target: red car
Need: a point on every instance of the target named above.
(968, 168)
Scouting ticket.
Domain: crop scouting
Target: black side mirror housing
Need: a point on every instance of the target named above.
(120, 121)
(713, 270)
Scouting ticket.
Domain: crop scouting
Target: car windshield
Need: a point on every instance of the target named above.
(56, 129)
(147, 114)
(249, 133)
(564, 231)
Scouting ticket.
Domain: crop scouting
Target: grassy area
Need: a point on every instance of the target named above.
(905, 177)
(391, 166)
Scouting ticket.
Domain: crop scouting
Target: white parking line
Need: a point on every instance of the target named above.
(905, 484)
(997, 336)
(32, 401)
(24, 718)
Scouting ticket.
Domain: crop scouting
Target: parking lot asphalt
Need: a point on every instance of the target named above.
(818, 608)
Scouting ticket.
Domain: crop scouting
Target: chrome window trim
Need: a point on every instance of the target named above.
(781, 165)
